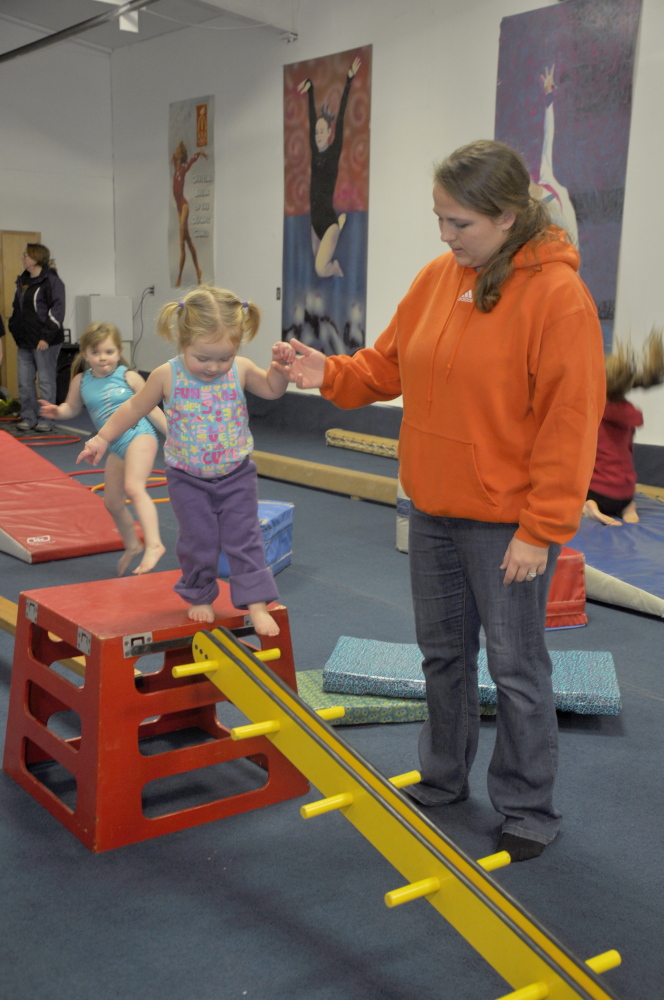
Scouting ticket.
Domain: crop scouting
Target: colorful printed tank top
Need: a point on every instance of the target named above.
(208, 426)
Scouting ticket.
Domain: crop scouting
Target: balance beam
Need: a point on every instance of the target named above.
(369, 443)
(360, 485)
(517, 947)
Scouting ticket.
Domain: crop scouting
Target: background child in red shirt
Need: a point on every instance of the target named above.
(611, 492)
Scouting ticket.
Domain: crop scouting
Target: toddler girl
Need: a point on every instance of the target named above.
(212, 480)
(105, 384)
(611, 492)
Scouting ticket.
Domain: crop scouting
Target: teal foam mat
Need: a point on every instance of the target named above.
(363, 709)
(584, 681)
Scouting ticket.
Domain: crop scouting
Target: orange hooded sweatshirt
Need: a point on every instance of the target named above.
(500, 409)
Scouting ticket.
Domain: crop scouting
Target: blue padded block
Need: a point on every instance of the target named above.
(276, 520)
(583, 682)
(633, 553)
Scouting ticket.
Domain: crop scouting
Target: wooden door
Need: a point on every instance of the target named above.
(12, 245)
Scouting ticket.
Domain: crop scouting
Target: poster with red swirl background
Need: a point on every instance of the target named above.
(327, 104)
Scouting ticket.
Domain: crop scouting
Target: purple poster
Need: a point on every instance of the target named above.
(564, 101)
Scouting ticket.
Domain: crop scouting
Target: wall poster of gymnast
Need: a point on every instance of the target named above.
(327, 104)
(191, 192)
(570, 66)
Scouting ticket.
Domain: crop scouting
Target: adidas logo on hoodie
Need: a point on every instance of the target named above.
(466, 297)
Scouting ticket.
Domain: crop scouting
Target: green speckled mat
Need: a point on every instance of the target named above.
(362, 709)
(583, 681)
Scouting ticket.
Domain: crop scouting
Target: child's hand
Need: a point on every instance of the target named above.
(283, 355)
(93, 451)
(49, 410)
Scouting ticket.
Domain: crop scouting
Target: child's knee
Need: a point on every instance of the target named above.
(135, 489)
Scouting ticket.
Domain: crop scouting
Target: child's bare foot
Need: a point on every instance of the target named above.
(629, 514)
(590, 509)
(201, 613)
(151, 556)
(127, 556)
(262, 620)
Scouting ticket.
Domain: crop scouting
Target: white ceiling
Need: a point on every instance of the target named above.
(159, 18)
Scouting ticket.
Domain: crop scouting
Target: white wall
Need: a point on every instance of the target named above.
(434, 81)
(433, 88)
(56, 159)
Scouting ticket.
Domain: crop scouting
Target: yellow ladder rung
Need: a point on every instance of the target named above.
(190, 669)
(607, 960)
(536, 991)
(493, 861)
(334, 712)
(415, 890)
(321, 806)
(409, 778)
(207, 666)
(255, 729)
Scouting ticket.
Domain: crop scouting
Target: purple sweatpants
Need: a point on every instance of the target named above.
(216, 514)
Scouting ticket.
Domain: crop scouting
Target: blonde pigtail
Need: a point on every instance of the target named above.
(251, 320)
(166, 320)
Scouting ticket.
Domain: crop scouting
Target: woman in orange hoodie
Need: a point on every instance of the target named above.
(497, 352)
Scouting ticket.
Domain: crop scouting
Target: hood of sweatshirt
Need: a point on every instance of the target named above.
(553, 247)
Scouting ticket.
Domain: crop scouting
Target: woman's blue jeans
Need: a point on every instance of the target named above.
(457, 587)
(44, 366)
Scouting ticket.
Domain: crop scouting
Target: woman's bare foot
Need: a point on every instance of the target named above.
(127, 556)
(201, 613)
(151, 556)
(342, 221)
(629, 514)
(590, 509)
(335, 269)
(262, 620)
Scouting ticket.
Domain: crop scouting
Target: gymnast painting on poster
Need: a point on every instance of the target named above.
(546, 188)
(326, 225)
(182, 165)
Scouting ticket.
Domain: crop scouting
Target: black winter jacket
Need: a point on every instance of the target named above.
(39, 309)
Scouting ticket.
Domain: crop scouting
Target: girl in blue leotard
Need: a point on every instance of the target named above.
(102, 387)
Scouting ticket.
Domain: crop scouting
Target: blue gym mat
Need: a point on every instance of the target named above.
(583, 682)
(625, 563)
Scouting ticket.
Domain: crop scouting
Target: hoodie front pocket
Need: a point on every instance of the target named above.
(440, 475)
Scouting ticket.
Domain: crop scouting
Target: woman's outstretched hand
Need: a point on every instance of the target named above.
(308, 368)
(303, 87)
(354, 67)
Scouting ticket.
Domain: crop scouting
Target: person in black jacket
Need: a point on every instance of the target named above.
(36, 324)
